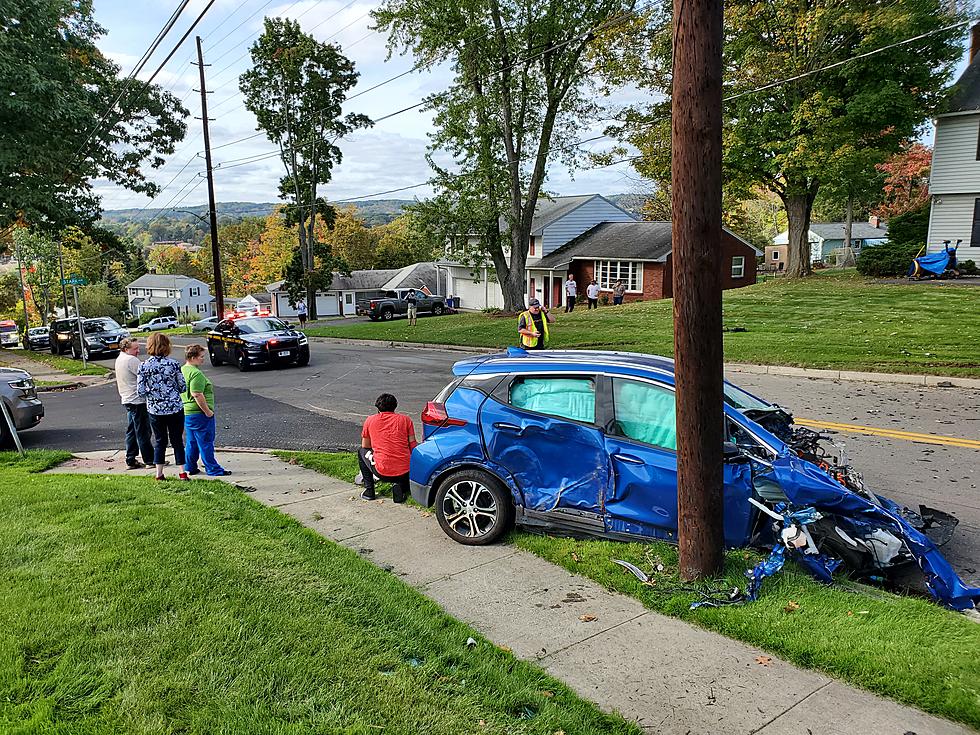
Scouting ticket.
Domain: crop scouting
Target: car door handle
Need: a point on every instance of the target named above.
(506, 427)
(628, 459)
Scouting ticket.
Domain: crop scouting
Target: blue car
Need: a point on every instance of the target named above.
(583, 443)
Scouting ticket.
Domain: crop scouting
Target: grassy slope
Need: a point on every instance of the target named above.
(135, 607)
(901, 647)
(60, 362)
(834, 320)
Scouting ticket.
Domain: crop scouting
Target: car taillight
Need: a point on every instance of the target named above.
(435, 414)
(373, 305)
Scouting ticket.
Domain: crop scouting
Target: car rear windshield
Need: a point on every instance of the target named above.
(101, 325)
(254, 326)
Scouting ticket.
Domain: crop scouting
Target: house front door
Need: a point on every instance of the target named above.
(546, 282)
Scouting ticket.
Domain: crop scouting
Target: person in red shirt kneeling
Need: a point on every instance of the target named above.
(387, 441)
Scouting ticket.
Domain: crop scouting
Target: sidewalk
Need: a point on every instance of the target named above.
(666, 675)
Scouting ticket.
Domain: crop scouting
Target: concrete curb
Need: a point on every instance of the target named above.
(933, 381)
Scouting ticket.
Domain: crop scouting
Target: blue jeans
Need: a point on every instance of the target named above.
(200, 443)
(139, 443)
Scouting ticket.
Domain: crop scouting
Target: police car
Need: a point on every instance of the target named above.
(253, 341)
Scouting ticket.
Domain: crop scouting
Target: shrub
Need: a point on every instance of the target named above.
(132, 323)
(887, 259)
(968, 268)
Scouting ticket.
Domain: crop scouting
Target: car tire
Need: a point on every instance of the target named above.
(473, 507)
(243, 364)
(75, 353)
(303, 360)
(215, 362)
(438, 309)
(387, 315)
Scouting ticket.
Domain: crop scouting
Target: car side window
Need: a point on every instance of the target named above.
(645, 413)
(567, 398)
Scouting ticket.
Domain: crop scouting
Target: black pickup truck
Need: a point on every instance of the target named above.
(393, 304)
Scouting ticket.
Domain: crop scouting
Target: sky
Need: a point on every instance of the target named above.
(388, 156)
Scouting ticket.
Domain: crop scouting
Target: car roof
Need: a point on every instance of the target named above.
(518, 360)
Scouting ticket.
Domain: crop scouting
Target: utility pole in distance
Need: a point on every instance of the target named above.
(698, 349)
(219, 290)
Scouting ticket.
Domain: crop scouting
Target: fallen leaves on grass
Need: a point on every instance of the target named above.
(791, 606)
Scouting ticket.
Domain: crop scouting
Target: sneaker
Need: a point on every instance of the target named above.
(134, 465)
(359, 479)
(193, 472)
(183, 476)
(223, 473)
(367, 495)
(159, 477)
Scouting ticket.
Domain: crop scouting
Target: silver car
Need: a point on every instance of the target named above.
(18, 393)
(205, 325)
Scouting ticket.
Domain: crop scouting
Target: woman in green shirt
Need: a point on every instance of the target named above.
(199, 425)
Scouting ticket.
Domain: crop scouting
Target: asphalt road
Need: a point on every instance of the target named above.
(321, 407)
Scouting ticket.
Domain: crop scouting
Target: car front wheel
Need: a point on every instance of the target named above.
(387, 315)
(437, 310)
(243, 364)
(215, 362)
(473, 507)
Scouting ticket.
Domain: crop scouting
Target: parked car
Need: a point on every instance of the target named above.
(18, 393)
(205, 325)
(37, 338)
(584, 443)
(8, 333)
(393, 304)
(159, 323)
(59, 335)
(101, 337)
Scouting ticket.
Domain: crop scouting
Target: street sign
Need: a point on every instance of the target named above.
(74, 280)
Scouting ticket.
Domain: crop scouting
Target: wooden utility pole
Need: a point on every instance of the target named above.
(219, 290)
(698, 351)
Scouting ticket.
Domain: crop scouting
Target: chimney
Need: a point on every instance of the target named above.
(874, 221)
(974, 41)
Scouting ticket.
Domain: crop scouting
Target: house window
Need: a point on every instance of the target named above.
(531, 251)
(607, 272)
(775, 255)
(738, 266)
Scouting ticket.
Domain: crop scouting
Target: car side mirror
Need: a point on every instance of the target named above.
(733, 454)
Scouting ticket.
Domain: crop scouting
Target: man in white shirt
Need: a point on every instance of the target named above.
(592, 293)
(571, 291)
(302, 312)
(138, 440)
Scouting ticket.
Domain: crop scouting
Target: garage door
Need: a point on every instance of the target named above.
(327, 304)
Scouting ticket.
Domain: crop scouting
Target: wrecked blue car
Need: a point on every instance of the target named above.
(583, 443)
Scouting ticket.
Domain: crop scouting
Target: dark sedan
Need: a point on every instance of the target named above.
(37, 338)
(100, 338)
(249, 342)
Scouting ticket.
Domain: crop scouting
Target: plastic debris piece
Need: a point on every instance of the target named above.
(588, 618)
(633, 569)
(763, 660)
(470, 642)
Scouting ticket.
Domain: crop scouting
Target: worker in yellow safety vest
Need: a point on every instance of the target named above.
(532, 326)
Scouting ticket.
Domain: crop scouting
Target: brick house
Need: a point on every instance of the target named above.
(638, 253)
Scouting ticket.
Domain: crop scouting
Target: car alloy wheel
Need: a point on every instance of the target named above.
(473, 508)
(243, 364)
(437, 310)
(215, 362)
(387, 315)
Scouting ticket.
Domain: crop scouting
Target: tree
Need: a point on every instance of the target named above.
(906, 183)
(350, 241)
(400, 243)
(39, 255)
(275, 250)
(56, 87)
(806, 129)
(10, 295)
(173, 260)
(238, 243)
(98, 300)
(296, 89)
(521, 71)
(82, 255)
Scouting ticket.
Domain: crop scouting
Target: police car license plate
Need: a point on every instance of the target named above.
(112, 345)
(284, 353)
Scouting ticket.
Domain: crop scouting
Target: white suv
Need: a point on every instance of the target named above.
(161, 322)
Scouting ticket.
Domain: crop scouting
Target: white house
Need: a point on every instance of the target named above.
(954, 184)
(556, 222)
(826, 237)
(188, 296)
(341, 298)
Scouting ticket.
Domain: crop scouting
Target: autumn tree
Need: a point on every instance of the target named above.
(296, 88)
(906, 186)
(522, 73)
(351, 240)
(173, 260)
(277, 243)
(401, 242)
(238, 244)
(793, 122)
(56, 88)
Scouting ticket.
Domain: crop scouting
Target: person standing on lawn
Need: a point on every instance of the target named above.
(413, 307)
(302, 312)
(199, 415)
(160, 382)
(619, 291)
(592, 292)
(387, 441)
(571, 290)
(139, 443)
(532, 326)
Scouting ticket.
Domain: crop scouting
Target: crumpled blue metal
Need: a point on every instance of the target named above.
(807, 485)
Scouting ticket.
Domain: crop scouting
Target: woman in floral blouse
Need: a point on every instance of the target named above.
(160, 381)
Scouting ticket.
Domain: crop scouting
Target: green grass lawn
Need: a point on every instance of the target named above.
(835, 320)
(65, 364)
(901, 647)
(130, 606)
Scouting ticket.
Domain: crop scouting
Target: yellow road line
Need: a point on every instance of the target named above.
(948, 441)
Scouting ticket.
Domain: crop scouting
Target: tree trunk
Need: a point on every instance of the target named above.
(848, 222)
(798, 209)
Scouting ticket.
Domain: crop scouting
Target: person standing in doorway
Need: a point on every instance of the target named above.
(160, 382)
(199, 421)
(592, 292)
(387, 441)
(532, 326)
(302, 312)
(619, 291)
(413, 305)
(571, 291)
(139, 443)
